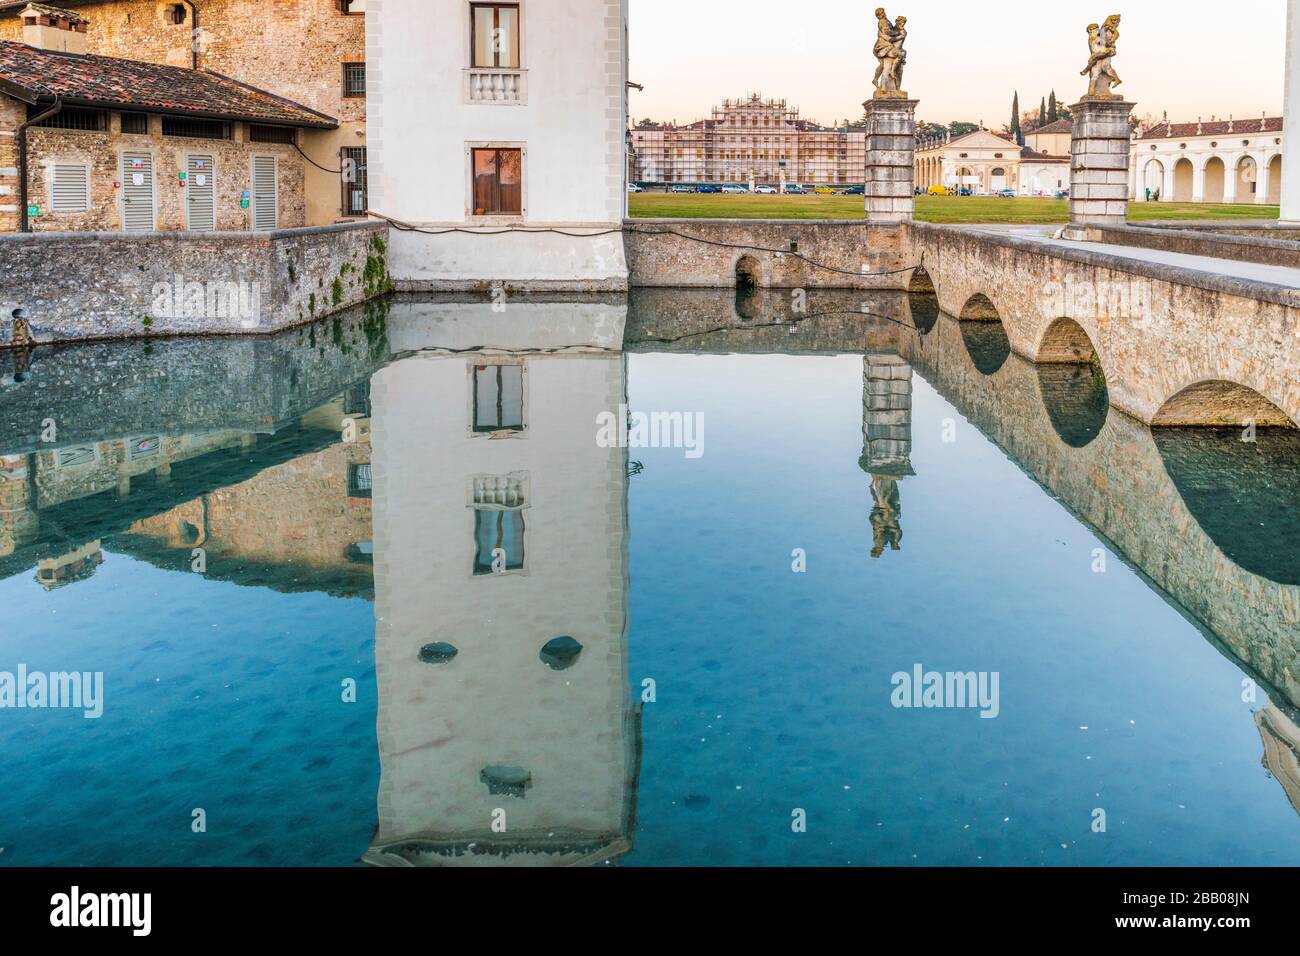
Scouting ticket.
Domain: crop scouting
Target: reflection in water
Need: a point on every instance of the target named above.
(887, 443)
(1076, 399)
(1244, 494)
(987, 343)
(500, 525)
(443, 463)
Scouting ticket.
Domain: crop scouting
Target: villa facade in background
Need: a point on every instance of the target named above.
(751, 141)
(985, 163)
(1226, 161)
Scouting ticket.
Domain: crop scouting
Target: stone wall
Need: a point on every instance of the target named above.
(12, 112)
(76, 286)
(777, 253)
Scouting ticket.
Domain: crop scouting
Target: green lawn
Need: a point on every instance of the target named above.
(953, 209)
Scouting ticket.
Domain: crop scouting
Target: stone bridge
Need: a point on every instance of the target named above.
(1180, 344)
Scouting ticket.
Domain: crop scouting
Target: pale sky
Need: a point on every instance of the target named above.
(965, 59)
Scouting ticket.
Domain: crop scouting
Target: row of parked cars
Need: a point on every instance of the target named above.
(967, 191)
(790, 189)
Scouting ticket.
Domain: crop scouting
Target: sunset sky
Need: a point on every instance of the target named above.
(1190, 57)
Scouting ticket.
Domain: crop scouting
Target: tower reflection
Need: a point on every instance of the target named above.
(506, 731)
(887, 443)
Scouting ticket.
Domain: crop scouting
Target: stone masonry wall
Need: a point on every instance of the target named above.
(706, 253)
(77, 286)
(12, 112)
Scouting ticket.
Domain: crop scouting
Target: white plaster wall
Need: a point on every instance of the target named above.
(496, 703)
(570, 125)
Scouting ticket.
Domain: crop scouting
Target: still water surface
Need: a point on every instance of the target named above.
(342, 677)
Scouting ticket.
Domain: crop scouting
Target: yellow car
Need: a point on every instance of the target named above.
(824, 191)
(937, 191)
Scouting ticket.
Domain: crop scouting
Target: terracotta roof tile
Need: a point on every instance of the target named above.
(1058, 126)
(1241, 127)
(110, 82)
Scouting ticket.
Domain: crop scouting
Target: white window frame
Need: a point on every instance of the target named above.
(469, 182)
(505, 433)
(51, 174)
(467, 54)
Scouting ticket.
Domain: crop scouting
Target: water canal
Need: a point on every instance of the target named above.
(327, 578)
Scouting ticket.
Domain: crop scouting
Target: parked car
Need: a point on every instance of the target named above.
(793, 190)
(732, 188)
(824, 190)
(1062, 194)
(634, 188)
(766, 190)
(855, 190)
(1007, 193)
(682, 189)
(708, 188)
(965, 191)
(938, 191)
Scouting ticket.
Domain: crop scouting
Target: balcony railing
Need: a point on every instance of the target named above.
(493, 85)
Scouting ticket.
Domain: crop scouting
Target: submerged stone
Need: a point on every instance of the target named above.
(439, 653)
(560, 653)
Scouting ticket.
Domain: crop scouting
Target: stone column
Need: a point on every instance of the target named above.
(891, 144)
(1291, 108)
(1099, 163)
(1167, 188)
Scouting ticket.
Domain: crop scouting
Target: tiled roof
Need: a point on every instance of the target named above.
(1027, 153)
(1241, 127)
(110, 82)
(1059, 126)
(49, 11)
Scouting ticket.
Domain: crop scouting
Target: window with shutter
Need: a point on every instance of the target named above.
(69, 187)
(266, 211)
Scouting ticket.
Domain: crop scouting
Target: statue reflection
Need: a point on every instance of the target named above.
(887, 443)
(506, 730)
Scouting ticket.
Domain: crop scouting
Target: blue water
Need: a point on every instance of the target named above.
(772, 704)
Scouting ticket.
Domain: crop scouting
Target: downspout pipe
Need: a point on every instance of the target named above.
(194, 33)
(24, 225)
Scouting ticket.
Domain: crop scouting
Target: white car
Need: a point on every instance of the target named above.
(634, 188)
(766, 190)
(734, 189)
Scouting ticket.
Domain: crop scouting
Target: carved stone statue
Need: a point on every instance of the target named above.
(1101, 74)
(890, 38)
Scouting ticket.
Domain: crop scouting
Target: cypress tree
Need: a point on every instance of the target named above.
(1053, 108)
(1016, 134)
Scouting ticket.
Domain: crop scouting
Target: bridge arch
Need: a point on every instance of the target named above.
(979, 308)
(1220, 404)
(1066, 342)
(1072, 383)
(921, 283)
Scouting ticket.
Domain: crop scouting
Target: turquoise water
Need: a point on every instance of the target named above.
(742, 613)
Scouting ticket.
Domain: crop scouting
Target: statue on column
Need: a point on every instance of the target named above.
(1101, 74)
(890, 38)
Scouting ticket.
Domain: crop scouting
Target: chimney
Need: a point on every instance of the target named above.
(49, 28)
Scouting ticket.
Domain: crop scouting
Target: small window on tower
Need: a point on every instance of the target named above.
(176, 14)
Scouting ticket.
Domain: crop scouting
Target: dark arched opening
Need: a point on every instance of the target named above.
(1072, 383)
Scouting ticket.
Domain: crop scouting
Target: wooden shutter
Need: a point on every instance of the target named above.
(266, 199)
(200, 193)
(69, 187)
(137, 192)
